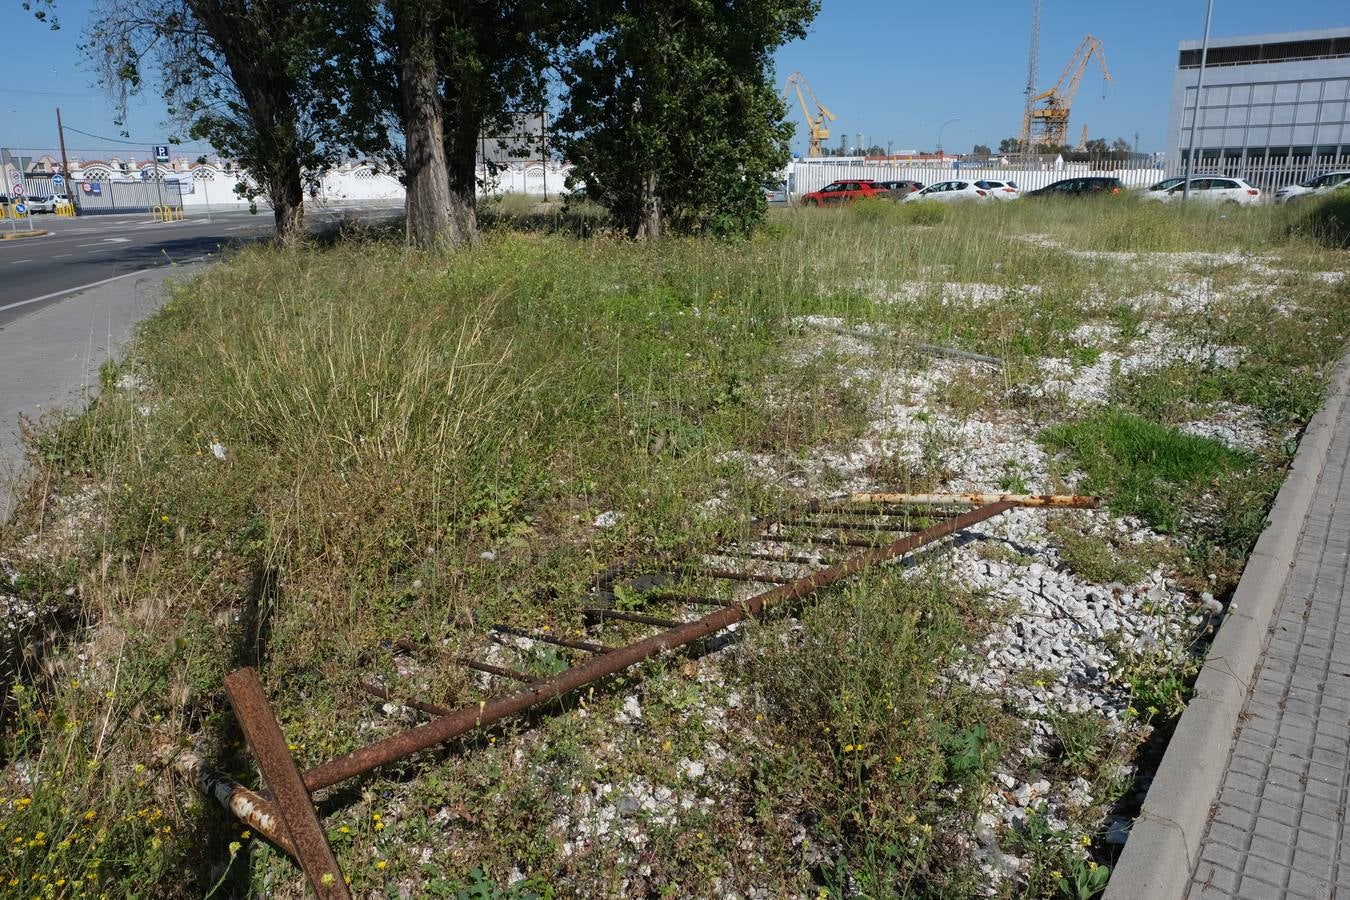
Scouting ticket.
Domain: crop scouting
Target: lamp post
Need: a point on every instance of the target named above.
(939, 142)
(1199, 92)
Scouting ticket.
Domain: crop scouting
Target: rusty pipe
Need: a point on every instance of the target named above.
(466, 719)
(1057, 501)
(252, 810)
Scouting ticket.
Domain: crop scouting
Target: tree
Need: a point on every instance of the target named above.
(670, 117)
(981, 150)
(238, 73)
(416, 27)
(1010, 145)
(1121, 149)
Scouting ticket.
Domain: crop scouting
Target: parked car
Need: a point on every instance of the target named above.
(843, 192)
(899, 190)
(1303, 189)
(1162, 186)
(1210, 190)
(41, 204)
(1000, 190)
(776, 194)
(1081, 187)
(949, 192)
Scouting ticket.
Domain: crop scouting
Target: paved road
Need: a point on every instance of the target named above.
(86, 251)
(1279, 827)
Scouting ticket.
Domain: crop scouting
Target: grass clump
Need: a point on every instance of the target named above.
(1099, 560)
(1145, 469)
(856, 712)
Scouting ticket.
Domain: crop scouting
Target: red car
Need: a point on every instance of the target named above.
(844, 192)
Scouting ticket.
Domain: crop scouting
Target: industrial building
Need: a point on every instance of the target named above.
(1269, 100)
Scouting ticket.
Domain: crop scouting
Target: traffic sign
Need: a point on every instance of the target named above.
(161, 154)
(17, 191)
(58, 180)
(21, 208)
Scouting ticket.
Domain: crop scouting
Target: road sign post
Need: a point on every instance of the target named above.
(4, 171)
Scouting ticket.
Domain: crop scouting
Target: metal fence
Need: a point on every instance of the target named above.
(1266, 173)
(106, 197)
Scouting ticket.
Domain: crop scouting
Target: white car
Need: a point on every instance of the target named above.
(1318, 185)
(1208, 189)
(1000, 190)
(1155, 191)
(948, 192)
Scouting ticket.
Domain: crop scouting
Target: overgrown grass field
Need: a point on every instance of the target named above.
(311, 454)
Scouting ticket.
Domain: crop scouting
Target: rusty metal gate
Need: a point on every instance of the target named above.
(778, 561)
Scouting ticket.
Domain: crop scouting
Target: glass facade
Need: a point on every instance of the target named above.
(1264, 97)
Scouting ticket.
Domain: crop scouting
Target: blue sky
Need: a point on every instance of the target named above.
(891, 70)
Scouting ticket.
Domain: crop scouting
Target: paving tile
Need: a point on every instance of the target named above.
(1279, 829)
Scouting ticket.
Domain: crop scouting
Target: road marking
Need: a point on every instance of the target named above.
(92, 284)
(112, 240)
(59, 255)
(15, 262)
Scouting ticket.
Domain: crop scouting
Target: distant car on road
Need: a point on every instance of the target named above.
(1000, 190)
(1081, 187)
(949, 192)
(845, 191)
(899, 190)
(42, 204)
(1233, 191)
(776, 194)
(1304, 189)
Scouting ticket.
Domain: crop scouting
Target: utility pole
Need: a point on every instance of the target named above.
(65, 163)
(543, 138)
(1199, 93)
(1032, 65)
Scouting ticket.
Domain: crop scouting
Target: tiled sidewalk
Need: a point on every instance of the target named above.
(1279, 826)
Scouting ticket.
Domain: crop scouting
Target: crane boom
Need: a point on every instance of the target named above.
(817, 127)
(1052, 119)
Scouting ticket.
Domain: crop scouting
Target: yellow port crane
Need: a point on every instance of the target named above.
(817, 124)
(1047, 121)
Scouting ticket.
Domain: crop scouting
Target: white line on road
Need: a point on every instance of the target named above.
(15, 262)
(92, 284)
(60, 255)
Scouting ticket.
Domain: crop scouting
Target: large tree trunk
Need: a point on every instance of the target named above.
(647, 226)
(288, 205)
(464, 120)
(429, 219)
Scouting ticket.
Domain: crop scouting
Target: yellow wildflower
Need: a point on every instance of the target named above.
(381, 864)
(235, 847)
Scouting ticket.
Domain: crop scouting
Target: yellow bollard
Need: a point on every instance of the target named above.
(157, 213)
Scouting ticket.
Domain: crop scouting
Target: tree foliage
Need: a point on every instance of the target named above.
(240, 74)
(670, 115)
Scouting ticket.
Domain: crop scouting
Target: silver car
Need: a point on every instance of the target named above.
(1312, 186)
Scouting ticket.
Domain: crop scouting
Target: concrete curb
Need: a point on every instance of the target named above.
(20, 235)
(1160, 854)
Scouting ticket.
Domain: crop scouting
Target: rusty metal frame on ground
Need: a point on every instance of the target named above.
(286, 816)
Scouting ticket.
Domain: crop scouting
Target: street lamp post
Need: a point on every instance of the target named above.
(939, 142)
(1199, 92)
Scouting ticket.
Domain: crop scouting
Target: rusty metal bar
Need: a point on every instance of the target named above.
(731, 575)
(795, 558)
(491, 669)
(293, 804)
(844, 524)
(832, 540)
(602, 614)
(1058, 501)
(692, 599)
(550, 639)
(248, 807)
(376, 690)
(469, 718)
